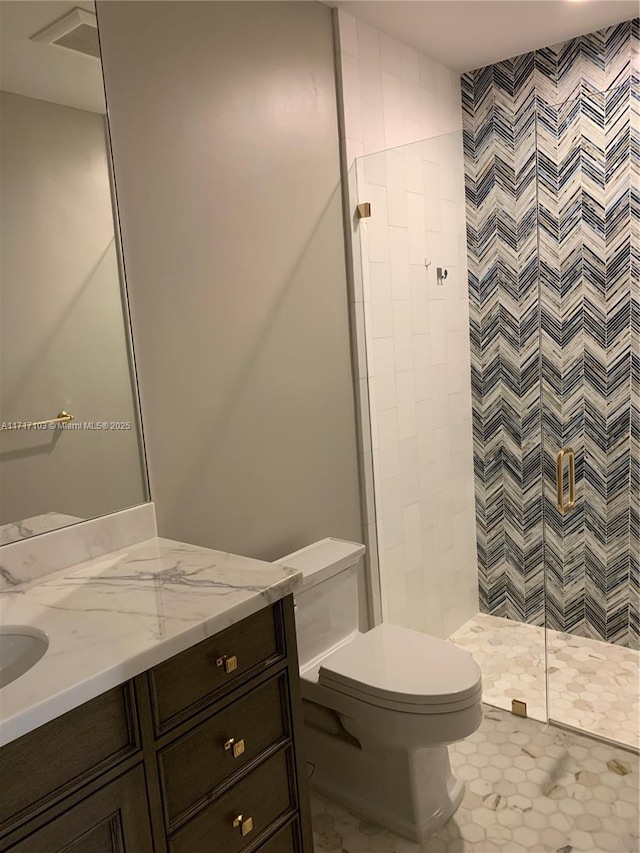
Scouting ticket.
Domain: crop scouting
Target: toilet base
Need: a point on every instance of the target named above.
(413, 793)
(392, 821)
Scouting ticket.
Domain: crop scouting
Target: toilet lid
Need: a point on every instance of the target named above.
(402, 666)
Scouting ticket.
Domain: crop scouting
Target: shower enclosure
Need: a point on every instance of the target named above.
(498, 343)
(588, 280)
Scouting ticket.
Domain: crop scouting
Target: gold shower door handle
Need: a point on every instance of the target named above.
(562, 506)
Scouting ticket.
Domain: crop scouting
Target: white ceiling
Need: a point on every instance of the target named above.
(462, 34)
(46, 71)
(468, 34)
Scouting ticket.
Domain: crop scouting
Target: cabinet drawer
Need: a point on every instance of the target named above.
(265, 795)
(191, 680)
(49, 762)
(196, 764)
(286, 840)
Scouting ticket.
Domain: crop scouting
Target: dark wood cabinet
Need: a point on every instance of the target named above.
(247, 811)
(200, 754)
(112, 820)
(39, 769)
(198, 763)
(284, 841)
(192, 680)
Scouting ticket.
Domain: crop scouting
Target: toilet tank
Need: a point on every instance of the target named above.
(327, 604)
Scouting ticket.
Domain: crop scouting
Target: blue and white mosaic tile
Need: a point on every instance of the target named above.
(552, 166)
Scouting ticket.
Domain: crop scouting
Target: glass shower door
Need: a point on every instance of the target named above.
(416, 330)
(459, 529)
(585, 248)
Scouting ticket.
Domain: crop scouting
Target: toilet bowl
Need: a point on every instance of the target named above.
(380, 707)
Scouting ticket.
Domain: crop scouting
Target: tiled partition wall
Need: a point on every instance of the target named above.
(411, 335)
(577, 97)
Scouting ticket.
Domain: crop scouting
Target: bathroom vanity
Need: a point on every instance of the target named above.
(197, 751)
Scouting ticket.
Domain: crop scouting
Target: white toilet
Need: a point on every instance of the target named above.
(381, 707)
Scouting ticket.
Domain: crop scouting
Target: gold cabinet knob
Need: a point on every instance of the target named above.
(229, 662)
(236, 747)
(245, 824)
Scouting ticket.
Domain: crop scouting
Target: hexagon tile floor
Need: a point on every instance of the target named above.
(593, 686)
(531, 788)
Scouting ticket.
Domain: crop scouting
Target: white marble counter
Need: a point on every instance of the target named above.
(113, 617)
(25, 560)
(14, 531)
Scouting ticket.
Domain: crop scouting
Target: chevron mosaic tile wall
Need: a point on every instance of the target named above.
(552, 161)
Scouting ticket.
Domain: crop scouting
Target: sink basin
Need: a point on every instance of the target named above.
(21, 646)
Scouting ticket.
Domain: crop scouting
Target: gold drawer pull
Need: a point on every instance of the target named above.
(236, 746)
(245, 824)
(229, 662)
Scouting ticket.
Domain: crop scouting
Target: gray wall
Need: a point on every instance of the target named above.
(62, 336)
(225, 140)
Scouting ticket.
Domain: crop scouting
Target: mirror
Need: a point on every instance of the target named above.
(65, 353)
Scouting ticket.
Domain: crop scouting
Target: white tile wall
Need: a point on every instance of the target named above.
(412, 334)
(392, 95)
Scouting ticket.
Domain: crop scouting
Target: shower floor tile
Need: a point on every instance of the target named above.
(530, 788)
(593, 686)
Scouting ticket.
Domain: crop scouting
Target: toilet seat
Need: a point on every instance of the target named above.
(403, 670)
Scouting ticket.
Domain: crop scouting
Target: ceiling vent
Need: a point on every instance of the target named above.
(78, 30)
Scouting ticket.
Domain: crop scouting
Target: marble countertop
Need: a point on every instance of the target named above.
(38, 524)
(113, 617)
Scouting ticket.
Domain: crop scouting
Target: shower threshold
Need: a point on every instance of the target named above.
(593, 685)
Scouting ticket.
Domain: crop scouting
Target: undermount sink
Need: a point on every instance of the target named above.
(21, 646)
